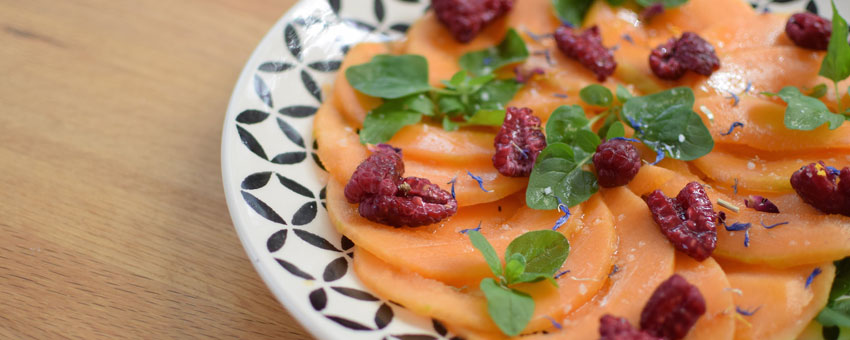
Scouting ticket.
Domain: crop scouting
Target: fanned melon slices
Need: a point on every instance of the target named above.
(718, 322)
(785, 305)
(694, 16)
(341, 152)
(760, 172)
(809, 237)
(644, 259)
(747, 32)
(767, 68)
(592, 244)
(352, 104)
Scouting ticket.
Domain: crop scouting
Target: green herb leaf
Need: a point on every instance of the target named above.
(572, 11)
(487, 250)
(831, 317)
(510, 309)
(836, 63)
(666, 121)
(389, 76)
(806, 113)
(837, 310)
(514, 268)
(511, 50)
(494, 95)
(451, 105)
(383, 122)
(615, 130)
(450, 125)
(623, 94)
(818, 91)
(616, 2)
(487, 118)
(544, 252)
(564, 124)
(597, 95)
(557, 173)
(609, 122)
(666, 3)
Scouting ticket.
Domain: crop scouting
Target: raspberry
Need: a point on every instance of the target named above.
(672, 309)
(690, 52)
(614, 328)
(587, 48)
(387, 198)
(617, 162)
(688, 221)
(824, 188)
(466, 18)
(518, 143)
(808, 30)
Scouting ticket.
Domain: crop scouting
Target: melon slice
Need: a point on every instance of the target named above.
(431, 144)
(718, 322)
(644, 259)
(785, 305)
(592, 245)
(351, 103)
(341, 152)
(696, 15)
(734, 33)
(810, 237)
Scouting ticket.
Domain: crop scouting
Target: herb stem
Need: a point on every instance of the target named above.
(598, 117)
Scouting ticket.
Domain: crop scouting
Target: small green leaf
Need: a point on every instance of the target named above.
(511, 50)
(806, 113)
(514, 268)
(389, 76)
(450, 125)
(609, 121)
(494, 95)
(572, 11)
(623, 94)
(564, 123)
(836, 63)
(487, 250)
(818, 91)
(616, 2)
(585, 144)
(597, 95)
(830, 317)
(556, 173)
(666, 3)
(382, 123)
(544, 252)
(666, 121)
(615, 130)
(451, 105)
(487, 118)
(510, 309)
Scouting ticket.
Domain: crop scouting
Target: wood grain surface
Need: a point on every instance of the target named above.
(112, 212)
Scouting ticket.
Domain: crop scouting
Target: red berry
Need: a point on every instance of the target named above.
(466, 18)
(614, 328)
(808, 30)
(823, 188)
(688, 221)
(690, 52)
(617, 162)
(518, 143)
(586, 47)
(672, 309)
(387, 198)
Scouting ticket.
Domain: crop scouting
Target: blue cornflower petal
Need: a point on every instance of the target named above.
(749, 87)
(747, 238)
(773, 225)
(745, 312)
(557, 276)
(659, 156)
(626, 139)
(562, 219)
(732, 128)
(452, 182)
(478, 228)
(735, 187)
(628, 38)
(635, 124)
(554, 323)
(487, 61)
(560, 95)
(735, 98)
(738, 226)
(833, 170)
(812, 276)
(479, 180)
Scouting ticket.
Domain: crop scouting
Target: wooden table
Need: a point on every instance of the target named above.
(112, 211)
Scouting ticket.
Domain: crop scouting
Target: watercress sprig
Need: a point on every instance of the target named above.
(836, 314)
(473, 96)
(573, 11)
(664, 122)
(531, 257)
(805, 112)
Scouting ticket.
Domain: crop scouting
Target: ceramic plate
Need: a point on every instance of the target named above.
(275, 182)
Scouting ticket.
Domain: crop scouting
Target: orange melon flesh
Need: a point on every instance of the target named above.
(810, 237)
(734, 33)
(761, 172)
(785, 305)
(341, 152)
(696, 15)
(351, 103)
(644, 258)
(592, 245)
(718, 322)
(429, 143)
(764, 127)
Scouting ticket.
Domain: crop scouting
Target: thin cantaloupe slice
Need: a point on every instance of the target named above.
(589, 262)
(351, 103)
(810, 237)
(718, 322)
(644, 259)
(785, 305)
(696, 15)
(429, 143)
(734, 33)
(341, 152)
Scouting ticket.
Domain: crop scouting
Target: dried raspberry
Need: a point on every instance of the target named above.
(824, 188)
(652, 11)
(760, 203)
(690, 52)
(466, 18)
(617, 162)
(688, 221)
(387, 198)
(614, 328)
(518, 143)
(380, 174)
(672, 309)
(808, 30)
(587, 48)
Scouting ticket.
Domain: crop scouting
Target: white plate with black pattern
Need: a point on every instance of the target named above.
(275, 183)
